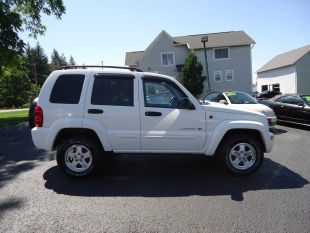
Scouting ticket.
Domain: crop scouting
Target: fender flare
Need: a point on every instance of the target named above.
(221, 129)
(78, 123)
(100, 130)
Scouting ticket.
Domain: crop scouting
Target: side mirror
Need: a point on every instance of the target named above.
(223, 102)
(185, 103)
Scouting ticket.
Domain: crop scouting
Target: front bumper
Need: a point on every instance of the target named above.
(269, 140)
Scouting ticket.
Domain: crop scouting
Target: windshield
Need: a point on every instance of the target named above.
(240, 98)
(306, 98)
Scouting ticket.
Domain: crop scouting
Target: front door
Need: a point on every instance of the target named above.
(164, 125)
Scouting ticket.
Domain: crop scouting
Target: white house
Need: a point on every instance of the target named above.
(288, 72)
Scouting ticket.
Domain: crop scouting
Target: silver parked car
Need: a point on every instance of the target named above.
(242, 100)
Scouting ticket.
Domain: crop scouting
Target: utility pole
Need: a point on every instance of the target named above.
(204, 39)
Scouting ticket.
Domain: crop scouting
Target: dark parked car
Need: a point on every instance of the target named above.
(267, 94)
(290, 108)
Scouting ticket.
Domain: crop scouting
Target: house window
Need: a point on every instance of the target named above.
(217, 76)
(276, 87)
(167, 59)
(179, 68)
(221, 53)
(229, 75)
(264, 88)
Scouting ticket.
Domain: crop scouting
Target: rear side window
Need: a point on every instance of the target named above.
(67, 89)
(286, 99)
(114, 90)
(279, 99)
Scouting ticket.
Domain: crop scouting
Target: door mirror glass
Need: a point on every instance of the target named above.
(185, 103)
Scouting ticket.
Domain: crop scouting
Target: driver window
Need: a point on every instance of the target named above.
(161, 94)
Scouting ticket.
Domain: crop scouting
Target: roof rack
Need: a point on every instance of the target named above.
(93, 66)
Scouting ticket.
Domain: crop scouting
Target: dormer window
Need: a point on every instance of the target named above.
(221, 53)
(167, 59)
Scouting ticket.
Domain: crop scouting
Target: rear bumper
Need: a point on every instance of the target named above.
(40, 138)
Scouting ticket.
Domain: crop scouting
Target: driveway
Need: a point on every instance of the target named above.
(154, 193)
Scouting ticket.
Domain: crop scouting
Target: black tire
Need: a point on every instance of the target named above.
(85, 145)
(229, 148)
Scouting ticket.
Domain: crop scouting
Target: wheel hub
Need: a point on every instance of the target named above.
(242, 156)
(78, 158)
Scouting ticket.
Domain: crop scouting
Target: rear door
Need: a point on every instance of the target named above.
(112, 100)
(164, 125)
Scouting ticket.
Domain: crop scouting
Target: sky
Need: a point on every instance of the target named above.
(97, 31)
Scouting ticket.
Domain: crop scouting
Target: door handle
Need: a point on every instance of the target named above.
(95, 111)
(153, 113)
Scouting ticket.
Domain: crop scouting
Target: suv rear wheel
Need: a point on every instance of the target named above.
(78, 156)
(241, 155)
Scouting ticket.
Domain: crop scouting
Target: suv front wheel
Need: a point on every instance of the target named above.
(242, 155)
(77, 156)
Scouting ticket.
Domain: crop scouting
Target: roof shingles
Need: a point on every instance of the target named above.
(285, 59)
(221, 39)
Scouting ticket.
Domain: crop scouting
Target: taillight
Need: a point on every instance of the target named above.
(38, 116)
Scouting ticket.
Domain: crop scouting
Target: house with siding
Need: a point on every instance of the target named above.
(288, 72)
(228, 56)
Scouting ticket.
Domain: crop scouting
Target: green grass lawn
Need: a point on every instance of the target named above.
(13, 118)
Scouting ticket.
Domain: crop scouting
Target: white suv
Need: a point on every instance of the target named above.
(86, 112)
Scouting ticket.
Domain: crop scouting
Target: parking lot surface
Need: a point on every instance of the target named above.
(151, 193)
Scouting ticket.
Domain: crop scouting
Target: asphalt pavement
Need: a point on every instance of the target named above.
(151, 193)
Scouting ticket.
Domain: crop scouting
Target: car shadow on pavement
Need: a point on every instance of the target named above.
(9, 204)
(277, 131)
(170, 176)
(18, 153)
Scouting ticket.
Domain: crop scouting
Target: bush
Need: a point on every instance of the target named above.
(15, 88)
(191, 76)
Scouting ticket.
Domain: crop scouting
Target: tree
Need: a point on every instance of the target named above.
(36, 64)
(63, 60)
(55, 60)
(191, 76)
(72, 61)
(14, 87)
(17, 16)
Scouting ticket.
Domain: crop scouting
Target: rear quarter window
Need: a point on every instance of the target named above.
(67, 89)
